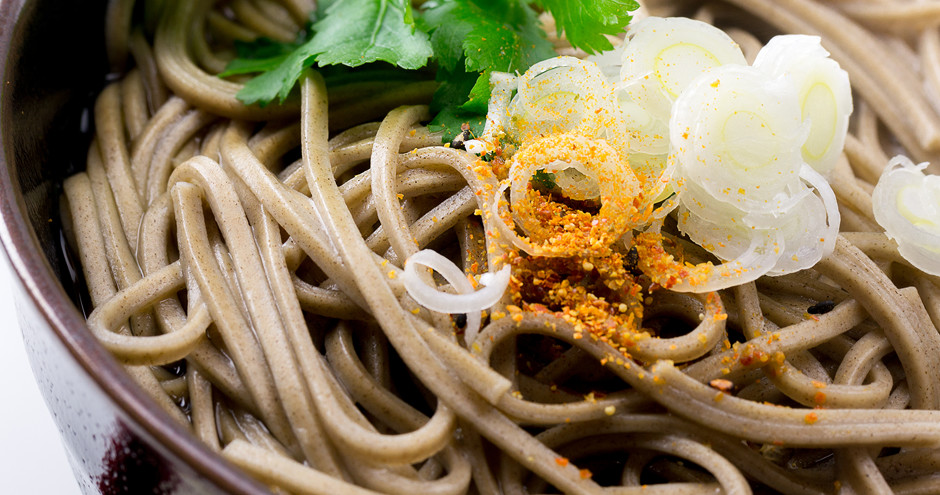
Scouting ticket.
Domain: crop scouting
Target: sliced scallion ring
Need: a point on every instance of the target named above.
(736, 133)
(563, 94)
(663, 55)
(907, 204)
(824, 93)
(502, 85)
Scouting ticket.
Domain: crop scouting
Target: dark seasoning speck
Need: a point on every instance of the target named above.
(821, 308)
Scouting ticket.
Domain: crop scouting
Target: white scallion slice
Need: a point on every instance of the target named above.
(697, 199)
(467, 300)
(804, 241)
(907, 204)
(807, 230)
(724, 240)
(663, 55)
(737, 133)
(502, 86)
(643, 131)
(825, 97)
(608, 62)
(576, 181)
(563, 94)
(823, 240)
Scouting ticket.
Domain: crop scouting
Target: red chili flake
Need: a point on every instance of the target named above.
(722, 384)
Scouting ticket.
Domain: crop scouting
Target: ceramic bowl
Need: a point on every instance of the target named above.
(117, 439)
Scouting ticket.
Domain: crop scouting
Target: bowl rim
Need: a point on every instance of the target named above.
(46, 293)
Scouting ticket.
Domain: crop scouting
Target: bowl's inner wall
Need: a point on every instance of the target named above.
(57, 66)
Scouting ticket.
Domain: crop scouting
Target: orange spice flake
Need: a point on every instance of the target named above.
(664, 268)
(810, 418)
(751, 356)
(569, 227)
(597, 295)
(561, 461)
(585, 474)
(722, 385)
(492, 163)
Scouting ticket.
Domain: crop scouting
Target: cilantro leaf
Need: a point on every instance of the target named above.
(338, 75)
(280, 77)
(479, 97)
(543, 181)
(501, 35)
(252, 65)
(264, 54)
(464, 38)
(356, 32)
(264, 47)
(349, 32)
(451, 121)
(474, 36)
(447, 33)
(507, 41)
(261, 55)
(456, 86)
(586, 23)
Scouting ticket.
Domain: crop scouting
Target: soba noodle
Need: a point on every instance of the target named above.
(260, 250)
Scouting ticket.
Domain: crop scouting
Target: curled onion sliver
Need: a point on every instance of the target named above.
(724, 240)
(467, 300)
(505, 230)
(806, 232)
(833, 217)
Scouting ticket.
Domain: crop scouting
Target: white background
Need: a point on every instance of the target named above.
(32, 457)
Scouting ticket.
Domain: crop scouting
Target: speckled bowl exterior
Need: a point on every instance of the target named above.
(117, 439)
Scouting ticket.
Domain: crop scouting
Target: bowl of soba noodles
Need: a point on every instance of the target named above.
(479, 246)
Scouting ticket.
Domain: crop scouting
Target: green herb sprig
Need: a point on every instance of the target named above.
(461, 40)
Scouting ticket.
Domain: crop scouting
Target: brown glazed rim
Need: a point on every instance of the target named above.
(47, 293)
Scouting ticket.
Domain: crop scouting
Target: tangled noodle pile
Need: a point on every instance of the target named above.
(683, 265)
